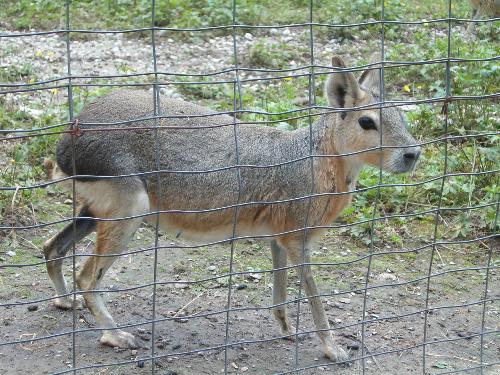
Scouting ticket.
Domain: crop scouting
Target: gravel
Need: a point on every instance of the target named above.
(107, 55)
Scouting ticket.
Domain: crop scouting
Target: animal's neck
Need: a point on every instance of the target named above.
(338, 173)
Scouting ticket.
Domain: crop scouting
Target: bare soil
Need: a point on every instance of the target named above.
(193, 291)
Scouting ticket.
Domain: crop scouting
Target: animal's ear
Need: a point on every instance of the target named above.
(342, 88)
(370, 79)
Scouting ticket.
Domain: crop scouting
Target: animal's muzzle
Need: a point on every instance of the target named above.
(410, 157)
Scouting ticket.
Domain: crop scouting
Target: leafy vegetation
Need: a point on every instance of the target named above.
(26, 14)
(283, 103)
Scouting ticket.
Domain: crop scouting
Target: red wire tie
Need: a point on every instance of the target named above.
(444, 109)
(75, 130)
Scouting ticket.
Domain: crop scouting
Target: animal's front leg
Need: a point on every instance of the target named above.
(330, 348)
(280, 281)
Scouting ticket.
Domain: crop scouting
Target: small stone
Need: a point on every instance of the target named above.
(33, 308)
(211, 268)
(234, 365)
(254, 276)
(387, 276)
(140, 363)
(133, 352)
(11, 253)
(181, 285)
(353, 346)
(248, 36)
(68, 201)
(176, 346)
(244, 369)
(241, 286)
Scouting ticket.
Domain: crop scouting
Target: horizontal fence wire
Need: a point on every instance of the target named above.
(236, 77)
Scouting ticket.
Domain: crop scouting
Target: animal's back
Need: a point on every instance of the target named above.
(117, 133)
(190, 139)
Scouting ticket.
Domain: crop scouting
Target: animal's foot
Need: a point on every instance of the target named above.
(334, 352)
(67, 303)
(289, 333)
(120, 339)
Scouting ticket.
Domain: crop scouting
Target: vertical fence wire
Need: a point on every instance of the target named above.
(438, 210)
(157, 112)
(237, 109)
(486, 286)
(381, 100)
(304, 258)
(73, 187)
(237, 105)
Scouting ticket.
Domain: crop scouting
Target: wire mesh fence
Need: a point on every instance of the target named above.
(416, 292)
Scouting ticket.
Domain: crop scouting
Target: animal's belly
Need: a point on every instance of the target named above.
(208, 228)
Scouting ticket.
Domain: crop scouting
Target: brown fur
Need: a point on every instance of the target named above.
(275, 200)
(481, 9)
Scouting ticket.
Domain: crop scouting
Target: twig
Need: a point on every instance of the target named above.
(444, 221)
(439, 255)
(33, 213)
(374, 358)
(187, 304)
(454, 357)
(14, 199)
(27, 347)
(32, 244)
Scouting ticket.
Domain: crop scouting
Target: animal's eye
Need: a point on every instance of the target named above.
(367, 123)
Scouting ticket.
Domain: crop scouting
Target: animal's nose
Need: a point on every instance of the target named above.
(412, 155)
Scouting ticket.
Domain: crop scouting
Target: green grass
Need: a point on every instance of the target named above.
(50, 14)
(403, 43)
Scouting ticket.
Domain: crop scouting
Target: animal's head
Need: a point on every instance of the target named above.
(365, 129)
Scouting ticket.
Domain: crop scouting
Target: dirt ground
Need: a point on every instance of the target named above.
(192, 317)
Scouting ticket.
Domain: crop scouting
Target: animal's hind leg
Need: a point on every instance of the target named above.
(56, 248)
(112, 239)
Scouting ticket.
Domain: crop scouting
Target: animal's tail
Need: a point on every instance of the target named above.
(49, 166)
(53, 172)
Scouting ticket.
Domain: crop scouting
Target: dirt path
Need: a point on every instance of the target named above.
(200, 326)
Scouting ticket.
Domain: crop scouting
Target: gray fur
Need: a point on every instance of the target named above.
(205, 143)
